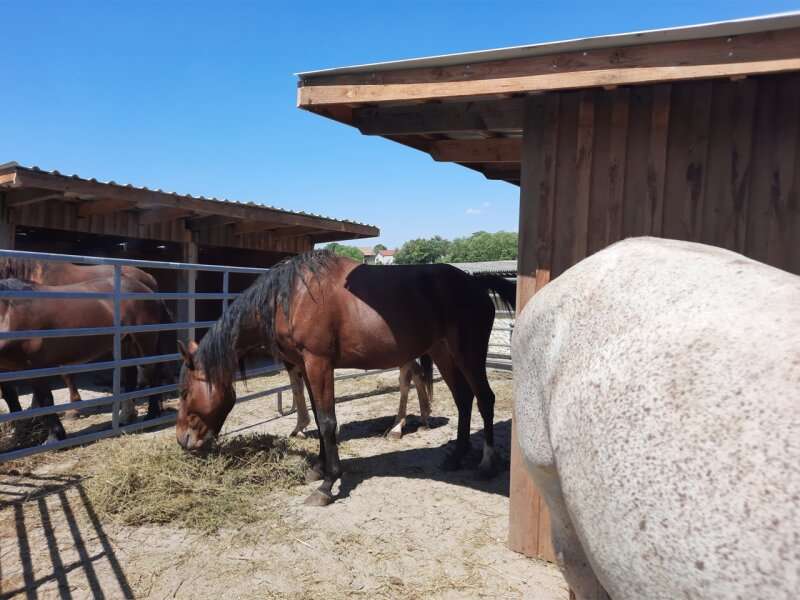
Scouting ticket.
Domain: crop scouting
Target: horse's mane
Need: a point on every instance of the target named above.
(12, 284)
(255, 308)
(18, 268)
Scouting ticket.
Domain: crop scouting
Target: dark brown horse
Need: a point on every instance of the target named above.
(50, 273)
(55, 313)
(321, 312)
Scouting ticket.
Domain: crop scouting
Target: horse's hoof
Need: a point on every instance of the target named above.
(395, 435)
(71, 415)
(318, 498)
(313, 475)
(486, 473)
(298, 434)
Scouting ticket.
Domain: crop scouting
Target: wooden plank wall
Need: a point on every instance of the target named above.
(63, 215)
(716, 162)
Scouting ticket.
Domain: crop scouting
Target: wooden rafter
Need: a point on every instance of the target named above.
(162, 215)
(246, 227)
(505, 150)
(103, 206)
(499, 115)
(20, 198)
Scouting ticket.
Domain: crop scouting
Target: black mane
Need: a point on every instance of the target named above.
(255, 309)
(12, 284)
(17, 268)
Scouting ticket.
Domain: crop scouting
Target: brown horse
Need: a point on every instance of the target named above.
(322, 312)
(49, 273)
(54, 313)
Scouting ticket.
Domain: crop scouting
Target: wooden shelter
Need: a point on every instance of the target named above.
(689, 133)
(47, 211)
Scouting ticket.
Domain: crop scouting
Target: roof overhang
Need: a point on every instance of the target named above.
(25, 186)
(468, 108)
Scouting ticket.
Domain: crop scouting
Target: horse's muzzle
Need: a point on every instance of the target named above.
(190, 442)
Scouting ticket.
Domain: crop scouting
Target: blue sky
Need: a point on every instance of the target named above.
(199, 97)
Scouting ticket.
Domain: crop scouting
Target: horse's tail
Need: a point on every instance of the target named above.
(504, 289)
(427, 374)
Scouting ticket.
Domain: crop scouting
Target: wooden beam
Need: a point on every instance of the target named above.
(506, 150)
(337, 94)
(722, 56)
(245, 227)
(208, 221)
(103, 206)
(503, 115)
(20, 198)
(295, 231)
(162, 215)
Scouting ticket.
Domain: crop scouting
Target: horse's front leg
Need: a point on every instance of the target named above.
(319, 375)
(74, 396)
(42, 396)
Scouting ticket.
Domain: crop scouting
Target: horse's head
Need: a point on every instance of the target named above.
(204, 404)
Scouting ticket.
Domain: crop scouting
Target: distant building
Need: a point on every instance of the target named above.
(385, 257)
(368, 256)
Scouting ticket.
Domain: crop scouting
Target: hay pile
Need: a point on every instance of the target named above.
(138, 481)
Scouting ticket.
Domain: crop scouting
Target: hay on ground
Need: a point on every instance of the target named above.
(139, 481)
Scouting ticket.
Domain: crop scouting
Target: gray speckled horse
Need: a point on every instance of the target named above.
(657, 393)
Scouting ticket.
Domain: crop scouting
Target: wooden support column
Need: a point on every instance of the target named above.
(7, 229)
(529, 523)
(188, 283)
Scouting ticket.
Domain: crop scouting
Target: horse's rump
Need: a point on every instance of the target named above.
(659, 381)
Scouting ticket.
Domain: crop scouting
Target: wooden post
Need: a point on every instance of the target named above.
(188, 283)
(7, 229)
(529, 523)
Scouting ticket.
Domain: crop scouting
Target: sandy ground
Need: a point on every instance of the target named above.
(400, 527)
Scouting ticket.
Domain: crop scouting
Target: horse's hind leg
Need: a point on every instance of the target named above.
(423, 393)
(462, 395)
(74, 396)
(396, 432)
(299, 400)
(42, 396)
(571, 556)
(11, 397)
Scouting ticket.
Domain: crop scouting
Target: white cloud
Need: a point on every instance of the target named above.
(474, 211)
(486, 204)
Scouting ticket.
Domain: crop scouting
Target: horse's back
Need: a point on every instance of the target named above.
(661, 380)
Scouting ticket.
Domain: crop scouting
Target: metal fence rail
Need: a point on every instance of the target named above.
(496, 359)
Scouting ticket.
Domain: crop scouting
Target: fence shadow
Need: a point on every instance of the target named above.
(53, 540)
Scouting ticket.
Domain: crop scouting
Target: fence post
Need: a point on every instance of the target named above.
(117, 346)
(226, 279)
(186, 308)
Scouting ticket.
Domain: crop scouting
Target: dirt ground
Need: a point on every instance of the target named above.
(400, 527)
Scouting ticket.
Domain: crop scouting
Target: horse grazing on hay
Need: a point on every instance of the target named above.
(49, 273)
(19, 314)
(421, 373)
(321, 312)
(657, 394)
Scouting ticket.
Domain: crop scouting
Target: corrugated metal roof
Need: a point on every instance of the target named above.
(492, 266)
(771, 22)
(12, 165)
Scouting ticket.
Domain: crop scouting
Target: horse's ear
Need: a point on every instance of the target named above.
(188, 353)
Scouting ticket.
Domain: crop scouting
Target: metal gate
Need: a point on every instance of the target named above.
(117, 330)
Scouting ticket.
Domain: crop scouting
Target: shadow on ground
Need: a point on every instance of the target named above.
(57, 509)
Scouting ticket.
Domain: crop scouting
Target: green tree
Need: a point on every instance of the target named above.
(345, 250)
(483, 246)
(378, 248)
(422, 251)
